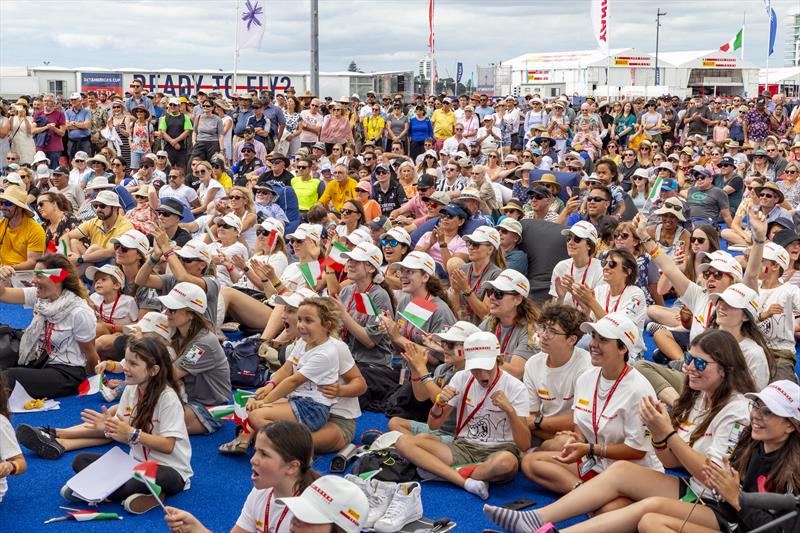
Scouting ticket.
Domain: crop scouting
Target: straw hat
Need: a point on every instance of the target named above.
(548, 179)
(17, 196)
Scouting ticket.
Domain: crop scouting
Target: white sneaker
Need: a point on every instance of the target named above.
(406, 507)
(380, 495)
(359, 482)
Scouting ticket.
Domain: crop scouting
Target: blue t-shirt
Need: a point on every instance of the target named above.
(82, 115)
(419, 130)
(255, 122)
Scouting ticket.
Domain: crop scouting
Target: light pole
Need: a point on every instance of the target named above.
(314, 71)
(659, 14)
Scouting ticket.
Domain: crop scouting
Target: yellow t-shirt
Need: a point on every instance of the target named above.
(15, 243)
(338, 196)
(443, 124)
(373, 127)
(225, 181)
(97, 235)
(307, 192)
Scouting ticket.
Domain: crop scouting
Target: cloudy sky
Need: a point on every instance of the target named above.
(377, 34)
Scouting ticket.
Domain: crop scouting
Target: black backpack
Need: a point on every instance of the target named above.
(393, 467)
(247, 369)
(9, 346)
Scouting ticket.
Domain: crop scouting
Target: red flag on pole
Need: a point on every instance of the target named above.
(431, 38)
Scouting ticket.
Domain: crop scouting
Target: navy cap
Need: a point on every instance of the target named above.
(61, 170)
(727, 160)
(541, 190)
(669, 185)
(426, 181)
(455, 210)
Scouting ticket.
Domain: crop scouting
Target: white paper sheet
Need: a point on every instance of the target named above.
(22, 279)
(95, 482)
(19, 396)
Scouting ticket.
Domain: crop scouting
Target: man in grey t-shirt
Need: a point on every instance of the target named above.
(707, 204)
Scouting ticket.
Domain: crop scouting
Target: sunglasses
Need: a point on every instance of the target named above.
(610, 263)
(189, 259)
(119, 247)
(622, 235)
(390, 242)
(99, 206)
(595, 199)
(538, 197)
(166, 214)
(224, 226)
(716, 274)
(302, 167)
(766, 195)
(496, 293)
(237, 197)
(348, 211)
(472, 244)
(202, 171)
(697, 240)
(247, 151)
(699, 364)
(639, 178)
(262, 232)
(791, 172)
(575, 239)
(295, 241)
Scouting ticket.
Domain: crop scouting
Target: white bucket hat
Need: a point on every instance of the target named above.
(615, 326)
(185, 295)
(109, 198)
(512, 225)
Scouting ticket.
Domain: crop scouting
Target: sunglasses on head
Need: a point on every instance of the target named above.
(716, 274)
(497, 294)
(390, 242)
(699, 364)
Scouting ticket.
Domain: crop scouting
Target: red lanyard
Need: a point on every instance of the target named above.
(477, 283)
(708, 316)
(280, 518)
(595, 421)
(460, 424)
(138, 402)
(48, 334)
(111, 315)
(505, 342)
(608, 299)
(585, 272)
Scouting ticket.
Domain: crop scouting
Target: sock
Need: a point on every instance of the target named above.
(514, 521)
(478, 488)
(652, 327)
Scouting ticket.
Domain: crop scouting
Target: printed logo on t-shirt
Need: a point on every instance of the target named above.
(193, 355)
(544, 394)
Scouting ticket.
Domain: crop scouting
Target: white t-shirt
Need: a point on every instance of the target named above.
(345, 407)
(756, 362)
(125, 311)
(202, 223)
(9, 447)
(591, 275)
(490, 425)
(184, 193)
(277, 260)
(490, 142)
(551, 391)
(167, 421)
(779, 329)
(236, 248)
(202, 190)
(631, 301)
(292, 278)
(251, 519)
(721, 435)
(78, 326)
(696, 299)
(319, 365)
(618, 420)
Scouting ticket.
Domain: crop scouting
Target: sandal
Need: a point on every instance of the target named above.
(234, 447)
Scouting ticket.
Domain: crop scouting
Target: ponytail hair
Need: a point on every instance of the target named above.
(292, 441)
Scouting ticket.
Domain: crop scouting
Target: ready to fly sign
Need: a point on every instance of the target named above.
(186, 84)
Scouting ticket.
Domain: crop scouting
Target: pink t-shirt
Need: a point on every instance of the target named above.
(55, 144)
(456, 245)
(315, 120)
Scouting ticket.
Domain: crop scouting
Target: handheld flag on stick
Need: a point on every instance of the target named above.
(87, 516)
(418, 311)
(311, 273)
(337, 259)
(91, 385)
(56, 274)
(365, 304)
(146, 473)
(240, 410)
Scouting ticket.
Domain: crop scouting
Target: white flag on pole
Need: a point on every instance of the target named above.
(599, 11)
(251, 24)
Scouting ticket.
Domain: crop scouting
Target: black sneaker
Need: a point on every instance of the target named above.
(42, 441)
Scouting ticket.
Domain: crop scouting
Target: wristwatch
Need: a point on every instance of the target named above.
(79, 261)
(537, 423)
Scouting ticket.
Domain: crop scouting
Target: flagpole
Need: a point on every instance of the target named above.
(235, 48)
(744, 19)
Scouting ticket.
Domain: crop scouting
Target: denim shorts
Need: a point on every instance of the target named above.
(204, 416)
(309, 413)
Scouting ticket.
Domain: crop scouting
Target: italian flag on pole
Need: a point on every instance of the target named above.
(655, 189)
(86, 516)
(336, 259)
(240, 398)
(146, 473)
(365, 304)
(733, 44)
(418, 311)
(311, 273)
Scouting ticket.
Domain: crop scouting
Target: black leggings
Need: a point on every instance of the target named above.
(52, 381)
(205, 149)
(167, 478)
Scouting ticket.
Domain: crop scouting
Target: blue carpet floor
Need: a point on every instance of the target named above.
(219, 486)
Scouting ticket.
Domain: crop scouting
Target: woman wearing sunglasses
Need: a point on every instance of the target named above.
(226, 244)
(209, 189)
(722, 272)
(581, 267)
(57, 217)
(647, 272)
(704, 427)
(395, 245)
(789, 184)
(640, 188)
(352, 218)
(468, 280)
(119, 122)
(444, 241)
(208, 135)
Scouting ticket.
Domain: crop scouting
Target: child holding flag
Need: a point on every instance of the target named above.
(295, 390)
(149, 418)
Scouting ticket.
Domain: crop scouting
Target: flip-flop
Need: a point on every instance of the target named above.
(234, 447)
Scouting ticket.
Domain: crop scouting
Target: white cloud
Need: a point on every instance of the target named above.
(82, 40)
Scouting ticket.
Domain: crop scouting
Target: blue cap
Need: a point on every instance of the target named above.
(455, 210)
(669, 185)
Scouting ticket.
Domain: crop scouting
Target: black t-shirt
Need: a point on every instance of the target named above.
(391, 199)
(245, 168)
(285, 177)
(180, 238)
(735, 197)
(175, 126)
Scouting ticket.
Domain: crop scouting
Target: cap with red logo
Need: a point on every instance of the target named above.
(510, 280)
(185, 295)
(330, 500)
(781, 397)
(615, 326)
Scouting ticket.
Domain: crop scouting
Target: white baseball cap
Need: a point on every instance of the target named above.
(272, 224)
(481, 350)
(510, 280)
(777, 253)
(231, 219)
(75, 96)
(458, 332)
(109, 198)
(512, 225)
(724, 263)
(195, 249)
(485, 234)
(782, 397)
(296, 298)
(357, 236)
(739, 296)
(133, 239)
(330, 499)
(112, 270)
(583, 229)
(307, 231)
(706, 256)
(185, 295)
(418, 261)
(615, 326)
(366, 251)
(14, 179)
(152, 322)
(398, 234)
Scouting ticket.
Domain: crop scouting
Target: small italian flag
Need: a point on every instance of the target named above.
(86, 516)
(336, 259)
(655, 189)
(60, 248)
(222, 412)
(146, 473)
(365, 304)
(311, 273)
(733, 44)
(418, 311)
(272, 238)
(91, 385)
(240, 398)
